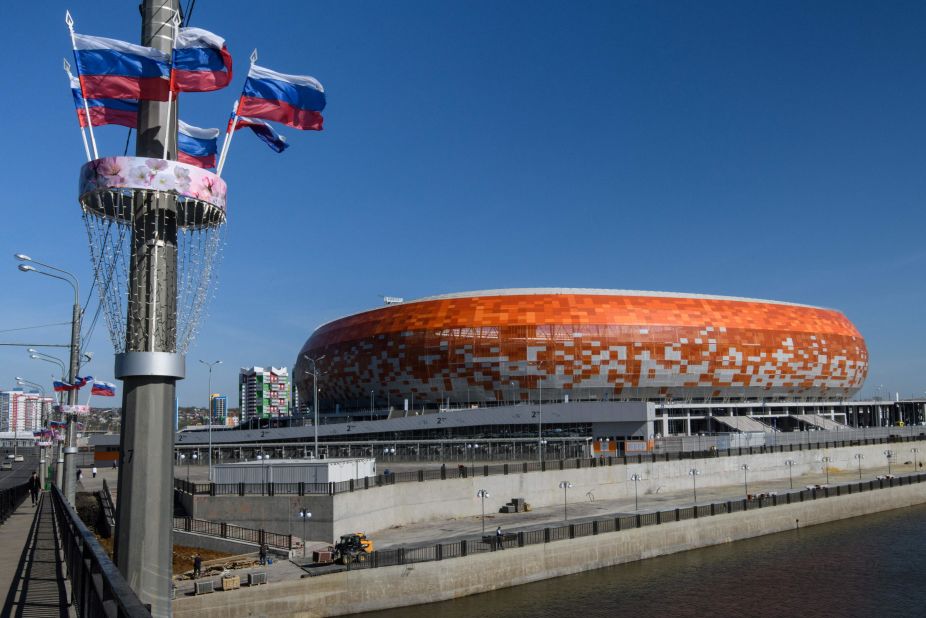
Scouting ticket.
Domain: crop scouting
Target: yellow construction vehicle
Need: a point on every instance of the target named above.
(354, 547)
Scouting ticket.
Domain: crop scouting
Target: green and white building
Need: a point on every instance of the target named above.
(263, 392)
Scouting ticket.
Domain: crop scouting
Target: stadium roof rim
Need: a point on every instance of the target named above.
(587, 291)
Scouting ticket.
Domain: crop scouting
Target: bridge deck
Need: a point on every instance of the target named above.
(33, 574)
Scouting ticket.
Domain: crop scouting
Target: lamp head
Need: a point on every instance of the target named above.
(25, 268)
(33, 356)
(22, 257)
(32, 350)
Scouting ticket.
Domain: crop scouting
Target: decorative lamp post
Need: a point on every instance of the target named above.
(890, 455)
(636, 478)
(745, 469)
(565, 486)
(483, 494)
(826, 467)
(790, 463)
(915, 450)
(859, 457)
(693, 473)
(305, 516)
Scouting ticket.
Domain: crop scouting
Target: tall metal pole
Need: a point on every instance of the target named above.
(315, 403)
(150, 365)
(70, 450)
(210, 365)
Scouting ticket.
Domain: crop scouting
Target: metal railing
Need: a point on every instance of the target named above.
(109, 509)
(618, 523)
(473, 470)
(97, 587)
(11, 498)
(224, 530)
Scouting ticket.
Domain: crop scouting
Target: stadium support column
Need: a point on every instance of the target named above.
(150, 365)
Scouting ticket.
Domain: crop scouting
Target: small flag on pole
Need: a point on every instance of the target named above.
(201, 62)
(112, 69)
(262, 130)
(104, 389)
(122, 112)
(294, 100)
(196, 146)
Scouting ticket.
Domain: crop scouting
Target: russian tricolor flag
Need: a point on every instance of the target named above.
(201, 62)
(293, 100)
(111, 69)
(123, 112)
(62, 387)
(104, 389)
(264, 131)
(196, 146)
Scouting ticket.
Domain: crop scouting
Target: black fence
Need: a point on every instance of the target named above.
(11, 498)
(444, 551)
(473, 470)
(231, 531)
(97, 587)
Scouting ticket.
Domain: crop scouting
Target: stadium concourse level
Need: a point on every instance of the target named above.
(575, 429)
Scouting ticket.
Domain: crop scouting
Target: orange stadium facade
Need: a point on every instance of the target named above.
(509, 346)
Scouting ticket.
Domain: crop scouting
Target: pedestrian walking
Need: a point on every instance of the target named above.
(499, 536)
(263, 553)
(93, 471)
(197, 566)
(80, 474)
(114, 464)
(34, 486)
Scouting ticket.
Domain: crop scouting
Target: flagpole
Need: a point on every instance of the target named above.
(83, 132)
(230, 131)
(70, 22)
(170, 95)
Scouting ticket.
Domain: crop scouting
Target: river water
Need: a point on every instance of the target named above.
(865, 566)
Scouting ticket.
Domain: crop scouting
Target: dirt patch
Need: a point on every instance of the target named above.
(183, 557)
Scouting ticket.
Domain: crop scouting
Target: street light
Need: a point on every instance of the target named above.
(482, 493)
(540, 441)
(315, 396)
(565, 486)
(745, 469)
(210, 365)
(915, 450)
(693, 473)
(69, 479)
(636, 478)
(790, 463)
(826, 460)
(890, 455)
(305, 516)
(859, 457)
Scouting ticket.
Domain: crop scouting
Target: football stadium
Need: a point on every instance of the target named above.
(502, 347)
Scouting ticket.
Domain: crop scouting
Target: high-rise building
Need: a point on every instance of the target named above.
(23, 412)
(263, 393)
(218, 407)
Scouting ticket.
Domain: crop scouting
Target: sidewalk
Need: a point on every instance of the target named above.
(13, 537)
(33, 574)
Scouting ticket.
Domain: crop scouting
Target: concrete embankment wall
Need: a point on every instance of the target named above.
(373, 589)
(379, 508)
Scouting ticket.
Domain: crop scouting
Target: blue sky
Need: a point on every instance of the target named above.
(762, 149)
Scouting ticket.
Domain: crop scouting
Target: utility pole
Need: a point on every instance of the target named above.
(150, 365)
